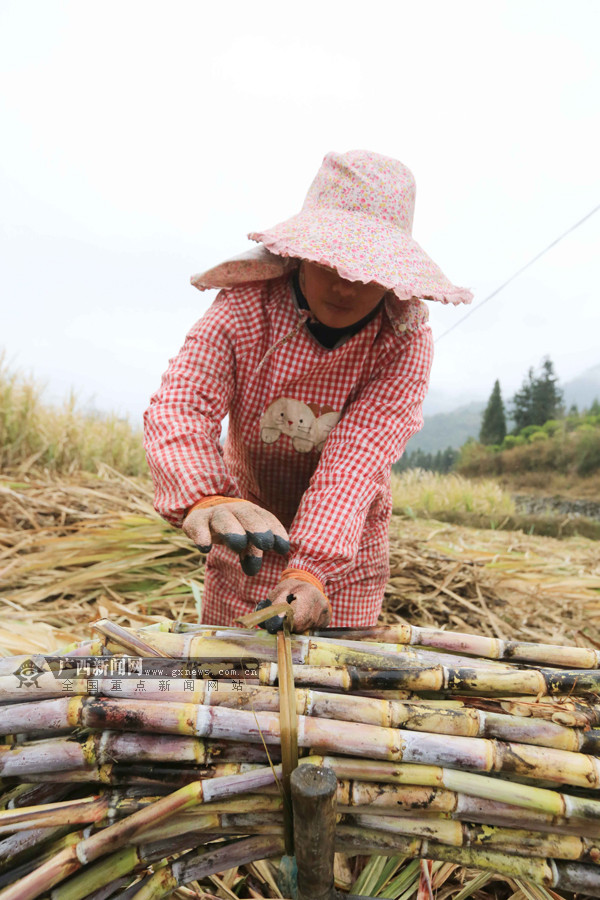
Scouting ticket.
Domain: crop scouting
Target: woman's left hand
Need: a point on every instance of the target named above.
(310, 606)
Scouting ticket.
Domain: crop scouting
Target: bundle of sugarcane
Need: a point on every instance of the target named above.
(450, 747)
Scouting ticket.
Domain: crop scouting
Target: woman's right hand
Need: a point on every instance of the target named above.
(247, 529)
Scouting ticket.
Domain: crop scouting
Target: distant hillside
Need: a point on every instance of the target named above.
(453, 428)
(584, 389)
(448, 429)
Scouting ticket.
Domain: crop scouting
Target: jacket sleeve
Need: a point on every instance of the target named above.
(356, 461)
(182, 425)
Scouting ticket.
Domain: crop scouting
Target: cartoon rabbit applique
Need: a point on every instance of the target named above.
(306, 424)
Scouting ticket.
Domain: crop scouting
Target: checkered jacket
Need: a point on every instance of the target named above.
(312, 437)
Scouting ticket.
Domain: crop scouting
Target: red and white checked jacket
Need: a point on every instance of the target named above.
(252, 356)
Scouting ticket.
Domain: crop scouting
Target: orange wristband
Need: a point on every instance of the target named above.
(303, 576)
(215, 500)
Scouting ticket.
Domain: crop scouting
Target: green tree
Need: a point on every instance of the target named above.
(538, 399)
(522, 403)
(547, 397)
(493, 424)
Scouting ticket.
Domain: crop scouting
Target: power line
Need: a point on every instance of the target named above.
(516, 274)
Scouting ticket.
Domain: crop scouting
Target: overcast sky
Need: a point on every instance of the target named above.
(142, 141)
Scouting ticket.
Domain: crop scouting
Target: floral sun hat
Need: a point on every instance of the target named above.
(357, 218)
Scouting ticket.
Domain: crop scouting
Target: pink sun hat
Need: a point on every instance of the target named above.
(357, 218)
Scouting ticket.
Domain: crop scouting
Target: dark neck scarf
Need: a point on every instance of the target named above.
(325, 335)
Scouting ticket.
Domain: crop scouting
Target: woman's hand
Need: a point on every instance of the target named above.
(247, 529)
(310, 606)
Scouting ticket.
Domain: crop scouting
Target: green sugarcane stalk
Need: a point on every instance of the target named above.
(555, 803)
(115, 866)
(369, 798)
(575, 877)
(519, 841)
(121, 863)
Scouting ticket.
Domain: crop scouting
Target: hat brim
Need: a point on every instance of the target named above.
(257, 264)
(362, 248)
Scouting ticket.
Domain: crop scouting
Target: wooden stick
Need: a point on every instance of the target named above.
(313, 797)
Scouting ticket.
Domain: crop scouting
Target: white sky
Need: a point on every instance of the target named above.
(141, 141)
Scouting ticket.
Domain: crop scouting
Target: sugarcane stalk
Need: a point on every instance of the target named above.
(363, 770)
(119, 864)
(31, 793)
(253, 644)
(110, 839)
(359, 797)
(63, 754)
(245, 805)
(85, 810)
(369, 798)
(388, 673)
(126, 638)
(23, 867)
(432, 716)
(564, 710)
(373, 741)
(433, 638)
(135, 777)
(113, 889)
(322, 638)
(472, 644)
(194, 866)
(425, 716)
(555, 803)
(17, 847)
(576, 877)
(110, 806)
(351, 839)
(518, 841)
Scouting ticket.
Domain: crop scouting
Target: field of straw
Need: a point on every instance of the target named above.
(75, 548)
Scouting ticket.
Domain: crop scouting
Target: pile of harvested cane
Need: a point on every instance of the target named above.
(121, 781)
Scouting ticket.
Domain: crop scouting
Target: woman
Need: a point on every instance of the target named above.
(318, 348)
